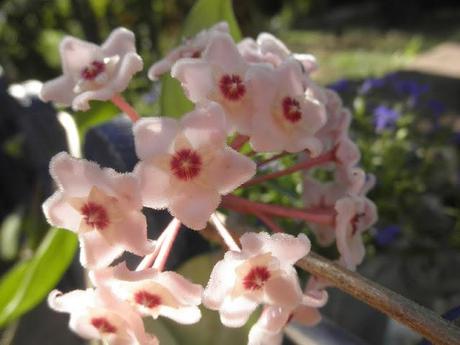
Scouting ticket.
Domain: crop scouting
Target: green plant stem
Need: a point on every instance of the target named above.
(420, 319)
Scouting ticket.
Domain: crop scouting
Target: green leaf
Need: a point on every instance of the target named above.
(98, 113)
(203, 15)
(9, 235)
(173, 102)
(23, 287)
(206, 13)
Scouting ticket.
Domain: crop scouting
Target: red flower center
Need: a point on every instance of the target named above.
(147, 299)
(95, 215)
(291, 109)
(186, 164)
(93, 70)
(232, 87)
(256, 278)
(354, 222)
(103, 325)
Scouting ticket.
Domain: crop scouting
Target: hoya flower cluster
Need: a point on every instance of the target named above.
(254, 93)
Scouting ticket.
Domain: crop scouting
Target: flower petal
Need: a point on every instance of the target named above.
(96, 252)
(154, 185)
(229, 170)
(60, 213)
(76, 54)
(220, 283)
(283, 291)
(195, 76)
(236, 312)
(287, 248)
(185, 291)
(205, 126)
(193, 205)
(154, 136)
(59, 90)
(186, 315)
(120, 41)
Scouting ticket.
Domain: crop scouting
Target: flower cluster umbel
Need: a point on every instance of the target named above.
(256, 94)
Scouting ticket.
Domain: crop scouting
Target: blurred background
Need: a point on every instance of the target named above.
(396, 65)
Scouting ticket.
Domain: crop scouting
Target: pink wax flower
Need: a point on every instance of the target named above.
(262, 272)
(153, 293)
(186, 165)
(102, 206)
(325, 196)
(287, 116)
(191, 48)
(355, 214)
(338, 120)
(98, 314)
(92, 72)
(269, 49)
(221, 75)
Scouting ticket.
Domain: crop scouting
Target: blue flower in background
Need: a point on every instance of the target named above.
(372, 83)
(386, 236)
(341, 85)
(385, 118)
(410, 88)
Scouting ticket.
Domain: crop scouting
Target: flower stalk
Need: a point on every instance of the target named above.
(320, 160)
(125, 107)
(422, 320)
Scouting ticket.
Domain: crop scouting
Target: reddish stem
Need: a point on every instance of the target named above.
(271, 159)
(148, 260)
(268, 221)
(323, 159)
(125, 107)
(239, 141)
(251, 207)
(172, 231)
(224, 233)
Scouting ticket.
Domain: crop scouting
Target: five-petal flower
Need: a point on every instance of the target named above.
(98, 314)
(153, 293)
(186, 165)
(102, 206)
(92, 72)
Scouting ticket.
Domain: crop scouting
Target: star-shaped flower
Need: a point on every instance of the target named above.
(287, 116)
(190, 48)
(262, 272)
(92, 72)
(269, 49)
(221, 75)
(102, 206)
(98, 314)
(153, 293)
(186, 165)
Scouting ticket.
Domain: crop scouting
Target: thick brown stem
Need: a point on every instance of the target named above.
(411, 314)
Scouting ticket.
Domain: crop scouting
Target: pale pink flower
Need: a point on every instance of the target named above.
(338, 120)
(221, 75)
(97, 314)
(269, 49)
(191, 48)
(322, 197)
(92, 72)
(287, 116)
(262, 272)
(186, 165)
(355, 214)
(153, 293)
(102, 206)
(268, 330)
